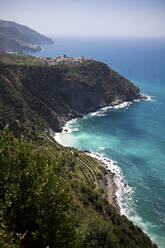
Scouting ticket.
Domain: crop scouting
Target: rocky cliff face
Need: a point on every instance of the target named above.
(48, 96)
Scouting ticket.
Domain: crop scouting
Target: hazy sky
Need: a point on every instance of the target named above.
(88, 17)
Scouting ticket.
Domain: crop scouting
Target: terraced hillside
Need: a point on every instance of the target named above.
(52, 196)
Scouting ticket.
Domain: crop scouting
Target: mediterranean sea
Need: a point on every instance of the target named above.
(133, 134)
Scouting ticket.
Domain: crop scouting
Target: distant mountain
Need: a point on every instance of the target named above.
(19, 38)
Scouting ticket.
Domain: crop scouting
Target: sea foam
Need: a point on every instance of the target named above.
(123, 191)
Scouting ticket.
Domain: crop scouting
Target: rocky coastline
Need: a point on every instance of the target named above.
(73, 115)
(107, 182)
(110, 176)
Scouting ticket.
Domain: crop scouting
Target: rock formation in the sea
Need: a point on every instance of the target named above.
(47, 95)
(19, 38)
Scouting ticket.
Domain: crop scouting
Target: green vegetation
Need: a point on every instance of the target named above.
(35, 97)
(19, 59)
(50, 196)
(33, 197)
(19, 38)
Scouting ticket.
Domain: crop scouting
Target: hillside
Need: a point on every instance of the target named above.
(19, 38)
(38, 96)
(51, 196)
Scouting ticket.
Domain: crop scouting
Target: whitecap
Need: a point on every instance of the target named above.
(68, 127)
(94, 113)
(102, 111)
(101, 115)
(124, 191)
(148, 98)
(124, 194)
(58, 138)
(75, 129)
(101, 148)
(122, 105)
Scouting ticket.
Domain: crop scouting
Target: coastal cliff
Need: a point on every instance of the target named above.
(15, 37)
(51, 94)
(55, 196)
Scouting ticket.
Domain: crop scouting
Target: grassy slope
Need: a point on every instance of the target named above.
(19, 59)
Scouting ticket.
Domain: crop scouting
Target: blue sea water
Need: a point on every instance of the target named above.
(133, 136)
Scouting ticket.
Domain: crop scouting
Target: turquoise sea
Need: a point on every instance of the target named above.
(132, 135)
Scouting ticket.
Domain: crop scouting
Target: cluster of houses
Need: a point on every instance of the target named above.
(62, 60)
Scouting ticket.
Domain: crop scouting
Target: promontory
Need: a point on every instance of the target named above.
(50, 195)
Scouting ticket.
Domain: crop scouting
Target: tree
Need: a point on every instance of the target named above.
(34, 198)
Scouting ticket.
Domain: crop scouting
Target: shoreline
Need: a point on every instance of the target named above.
(113, 105)
(108, 181)
(113, 184)
(115, 187)
(99, 111)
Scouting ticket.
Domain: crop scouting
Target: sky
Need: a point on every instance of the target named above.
(88, 18)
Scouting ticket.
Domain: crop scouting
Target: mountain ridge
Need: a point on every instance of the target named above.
(15, 37)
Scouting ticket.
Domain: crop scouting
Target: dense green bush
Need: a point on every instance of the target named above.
(36, 209)
(33, 197)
